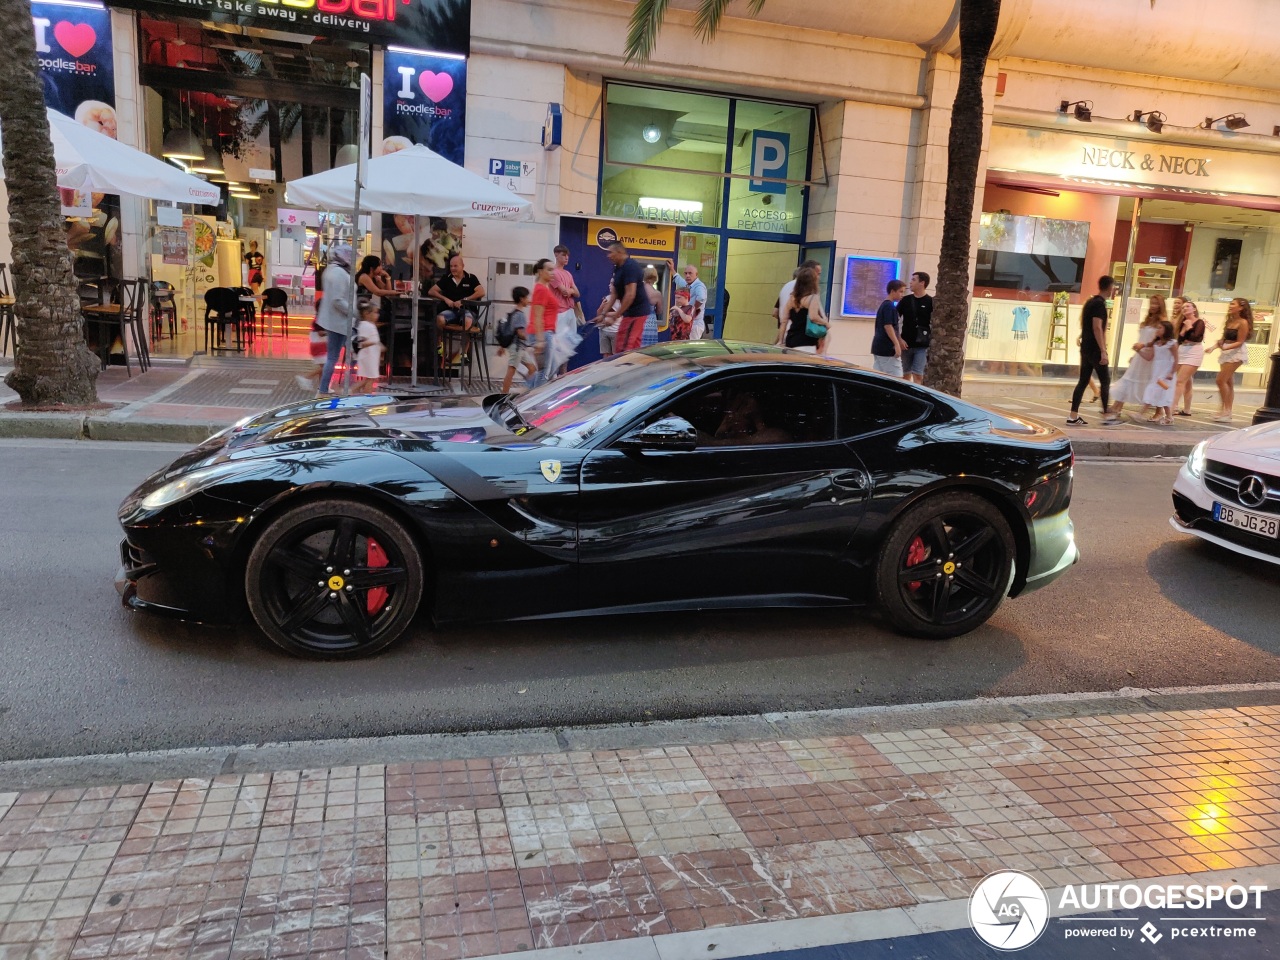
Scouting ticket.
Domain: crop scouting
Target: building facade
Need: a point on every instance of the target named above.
(813, 130)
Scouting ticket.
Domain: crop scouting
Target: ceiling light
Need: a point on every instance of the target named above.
(651, 133)
(1083, 109)
(181, 144)
(1154, 119)
(211, 162)
(1232, 121)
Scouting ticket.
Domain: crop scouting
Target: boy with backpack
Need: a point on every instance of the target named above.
(513, 343)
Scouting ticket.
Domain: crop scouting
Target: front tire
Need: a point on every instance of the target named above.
(334, 580)
(946, 566)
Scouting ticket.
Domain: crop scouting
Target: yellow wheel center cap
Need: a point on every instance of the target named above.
(948, 568)
(336, 583)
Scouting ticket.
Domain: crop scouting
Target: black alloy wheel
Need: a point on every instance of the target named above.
(946, 566)
(334, 580)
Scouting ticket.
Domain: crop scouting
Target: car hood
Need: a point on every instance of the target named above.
(424, 423)
(1261, 440)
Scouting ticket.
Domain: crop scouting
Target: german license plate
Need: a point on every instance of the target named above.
(1257, 523)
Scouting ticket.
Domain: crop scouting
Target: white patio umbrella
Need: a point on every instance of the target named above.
(417, 181)
(94, 163)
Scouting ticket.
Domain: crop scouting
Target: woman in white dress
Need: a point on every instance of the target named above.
(1162, 354)
(1130, 387)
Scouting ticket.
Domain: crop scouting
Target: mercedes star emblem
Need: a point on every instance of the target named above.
(1252, 491)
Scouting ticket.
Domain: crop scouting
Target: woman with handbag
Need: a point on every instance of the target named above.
(807, 326)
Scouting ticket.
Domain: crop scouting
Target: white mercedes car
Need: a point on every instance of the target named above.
(1228, 492)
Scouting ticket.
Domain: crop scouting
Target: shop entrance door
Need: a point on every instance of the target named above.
(825, 254)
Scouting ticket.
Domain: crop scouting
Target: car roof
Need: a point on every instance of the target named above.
(718, 353)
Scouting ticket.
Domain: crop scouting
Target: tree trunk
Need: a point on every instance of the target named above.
(978, 19)
(52, 364)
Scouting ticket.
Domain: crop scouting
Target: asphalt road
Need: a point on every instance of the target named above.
(81, 675)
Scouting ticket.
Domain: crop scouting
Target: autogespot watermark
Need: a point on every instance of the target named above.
(1010, 910)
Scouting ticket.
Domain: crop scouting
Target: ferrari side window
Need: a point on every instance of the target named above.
(765, 409)
(863, 409)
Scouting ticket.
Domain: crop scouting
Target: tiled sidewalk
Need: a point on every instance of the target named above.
(467, 858)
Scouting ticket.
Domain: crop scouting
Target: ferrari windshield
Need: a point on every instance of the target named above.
(570, 411)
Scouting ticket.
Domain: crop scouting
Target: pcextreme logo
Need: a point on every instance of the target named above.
(1010, 910)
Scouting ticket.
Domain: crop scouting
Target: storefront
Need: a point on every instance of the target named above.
(1166, 217)
(731, 175)
(249, 95)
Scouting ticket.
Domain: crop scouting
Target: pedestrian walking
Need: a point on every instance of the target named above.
(568, 313)
(541, 314)
(334, 312)
(807, 323)
(784, 297)
(1093, 351)
(916, 311)
(1131, 387)
(631, 305)
(518, 349)
(1190, 355)
(887, 345)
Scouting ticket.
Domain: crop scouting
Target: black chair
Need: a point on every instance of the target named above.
(133, 323)
(479, 345)
(222, 307)
(163, 307)
(275, 303)
(248, 311)
(121, 325)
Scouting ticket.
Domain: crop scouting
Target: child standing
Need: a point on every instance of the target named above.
(519, 353)
(318, 349)
(1163, 354)
(368, 348)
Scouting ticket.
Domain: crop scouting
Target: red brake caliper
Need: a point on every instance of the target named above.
(917, 553)
(377, 596)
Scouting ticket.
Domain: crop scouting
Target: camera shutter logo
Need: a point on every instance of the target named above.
(1009, 910)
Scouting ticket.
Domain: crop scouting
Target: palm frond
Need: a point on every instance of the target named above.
(707, 21)
(642, 31)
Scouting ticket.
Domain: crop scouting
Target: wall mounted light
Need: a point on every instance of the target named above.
(1083, 109)
(1232, 121)
(1154, 119)
(651, 133)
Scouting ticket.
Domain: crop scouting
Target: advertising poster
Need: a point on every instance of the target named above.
(424, 101)
(73, 47)
(865, 281)
(173, 246)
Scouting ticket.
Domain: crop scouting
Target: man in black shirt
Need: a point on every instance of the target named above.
(1093, 351)
(916, 311)
(459, 291)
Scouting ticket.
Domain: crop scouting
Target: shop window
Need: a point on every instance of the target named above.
(770, 146)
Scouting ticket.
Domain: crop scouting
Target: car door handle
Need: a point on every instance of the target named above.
(855, 480)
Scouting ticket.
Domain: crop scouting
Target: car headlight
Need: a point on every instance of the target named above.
(180, 489)
(1195, 461)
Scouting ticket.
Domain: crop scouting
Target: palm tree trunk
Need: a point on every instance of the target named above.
(52, 364)
(978, 20)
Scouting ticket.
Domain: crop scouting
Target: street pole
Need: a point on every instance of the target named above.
(362, 152)
(413, 312)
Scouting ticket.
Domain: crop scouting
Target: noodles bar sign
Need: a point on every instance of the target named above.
(443, 25)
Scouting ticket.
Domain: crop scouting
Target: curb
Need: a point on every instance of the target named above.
(74, 426)
(212, 761)
(1170, 449)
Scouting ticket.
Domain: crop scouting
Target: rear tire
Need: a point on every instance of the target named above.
(334, 580)
(946, 566)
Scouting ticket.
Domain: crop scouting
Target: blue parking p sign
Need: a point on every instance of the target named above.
(504, 168)
(770, 152)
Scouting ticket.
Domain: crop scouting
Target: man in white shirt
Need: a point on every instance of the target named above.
(781, 312)
(697, 303)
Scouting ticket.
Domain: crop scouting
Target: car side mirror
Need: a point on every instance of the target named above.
(669, 433)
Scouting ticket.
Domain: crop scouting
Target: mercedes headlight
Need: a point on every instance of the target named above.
(1195, 461)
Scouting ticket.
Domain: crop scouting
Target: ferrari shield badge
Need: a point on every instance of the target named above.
(551, 470)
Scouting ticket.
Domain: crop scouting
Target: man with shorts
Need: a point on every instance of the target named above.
(697, 303)
(631, 305)
(887, 344)
(916, 311)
